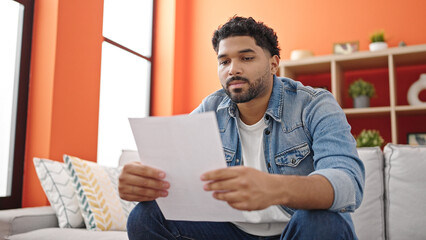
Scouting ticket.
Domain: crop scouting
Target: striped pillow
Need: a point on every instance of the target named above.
(97, 192)
(57, 185)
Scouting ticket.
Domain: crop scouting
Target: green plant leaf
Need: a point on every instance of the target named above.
(378, 36)
(361, 88)
(369, 138)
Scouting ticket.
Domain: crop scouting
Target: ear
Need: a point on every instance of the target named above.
(274, 62)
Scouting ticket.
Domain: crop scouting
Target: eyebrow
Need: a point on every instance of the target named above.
(241, 51)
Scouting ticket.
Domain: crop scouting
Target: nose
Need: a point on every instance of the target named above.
(235, 69)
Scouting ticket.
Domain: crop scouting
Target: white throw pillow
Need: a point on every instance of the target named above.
(57, 185)
(369, 217)
(128, 156)
(405, 187)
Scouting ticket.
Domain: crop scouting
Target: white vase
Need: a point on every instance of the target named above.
(300, 54)
(376, 46)
(415, 89)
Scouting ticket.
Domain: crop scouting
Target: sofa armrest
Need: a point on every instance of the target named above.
(23, 220)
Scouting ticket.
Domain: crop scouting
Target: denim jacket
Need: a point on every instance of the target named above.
(307, 134)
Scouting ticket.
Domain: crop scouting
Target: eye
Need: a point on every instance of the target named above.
(247, 58)
(223, 62)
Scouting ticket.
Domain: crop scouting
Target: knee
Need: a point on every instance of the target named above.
(316, 217)
(143, 215)
(319, 224)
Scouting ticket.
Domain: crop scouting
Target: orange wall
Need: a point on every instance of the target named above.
(300, 24)
(64, 86)
(163, 58)
(67, 37)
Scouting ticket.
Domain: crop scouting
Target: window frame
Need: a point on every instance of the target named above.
(15, 198)
(149, 59)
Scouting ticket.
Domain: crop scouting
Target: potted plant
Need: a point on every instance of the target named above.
(361, 92)
(378, 41)
(369, 138)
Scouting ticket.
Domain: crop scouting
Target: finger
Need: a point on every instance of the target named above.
(139, 199)
(138, 181)
(230, 196)
(243, 206)
(234, 199)
(136, 168)
(222, 185)
(220, 174)
(147, 192)
(136, 198)
(142, 192)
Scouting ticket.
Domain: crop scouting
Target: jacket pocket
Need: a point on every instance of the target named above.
(292, 157)
(229, 156)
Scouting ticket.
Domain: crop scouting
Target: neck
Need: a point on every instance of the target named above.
(251, 112)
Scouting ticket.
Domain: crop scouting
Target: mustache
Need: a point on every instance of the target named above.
(236, 78)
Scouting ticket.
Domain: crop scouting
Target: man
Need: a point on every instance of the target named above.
(293, 161)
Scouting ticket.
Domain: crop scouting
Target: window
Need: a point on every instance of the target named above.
(125, 74)
(15, 48)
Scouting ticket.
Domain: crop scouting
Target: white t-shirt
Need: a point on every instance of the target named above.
(272, 220)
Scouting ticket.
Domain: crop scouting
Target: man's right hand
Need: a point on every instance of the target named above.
(141, 183)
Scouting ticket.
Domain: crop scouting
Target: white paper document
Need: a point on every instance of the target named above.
(184, 147)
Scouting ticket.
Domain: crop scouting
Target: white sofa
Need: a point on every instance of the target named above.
(393, 206)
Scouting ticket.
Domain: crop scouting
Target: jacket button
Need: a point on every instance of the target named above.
(267, 132)
(267, 117)
(269, 165)
(293, 161)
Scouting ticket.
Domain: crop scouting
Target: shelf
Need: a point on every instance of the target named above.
(308, 61)
(307, 67)
(410, 110)
(373, 61)
(371, 111)
(410, 55)
(381, 67)
(362, 59)
(410, 59)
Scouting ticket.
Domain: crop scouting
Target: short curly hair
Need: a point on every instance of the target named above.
(264, 36)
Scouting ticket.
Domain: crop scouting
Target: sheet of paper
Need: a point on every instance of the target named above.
(185, 147)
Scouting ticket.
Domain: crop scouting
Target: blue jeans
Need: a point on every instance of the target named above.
(147, 222)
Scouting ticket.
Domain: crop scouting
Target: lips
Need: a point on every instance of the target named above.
(236, 84)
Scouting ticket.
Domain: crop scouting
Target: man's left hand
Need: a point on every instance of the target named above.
(243, 188)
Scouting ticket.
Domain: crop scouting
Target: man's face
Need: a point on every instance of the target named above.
(244, 68)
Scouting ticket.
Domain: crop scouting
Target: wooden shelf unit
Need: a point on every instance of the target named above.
(337, 65)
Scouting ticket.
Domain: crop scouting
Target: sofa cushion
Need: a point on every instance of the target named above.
(97, 192)
(405, 188)
(21, 220)
(57, 185)
(369, 217)
(69, 234)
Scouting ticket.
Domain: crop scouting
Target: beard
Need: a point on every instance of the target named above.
(256, 88)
